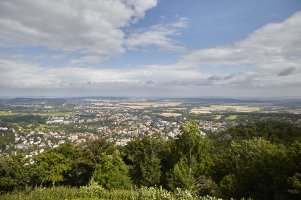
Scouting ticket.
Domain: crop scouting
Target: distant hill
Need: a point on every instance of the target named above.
(27, 101)
(197, 100)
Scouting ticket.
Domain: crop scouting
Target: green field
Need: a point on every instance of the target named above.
(50, 113)
(232, 117)
(8, 113)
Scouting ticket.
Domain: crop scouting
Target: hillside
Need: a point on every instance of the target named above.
(250, 163)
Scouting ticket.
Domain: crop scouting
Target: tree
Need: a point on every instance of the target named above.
(112, 172)
(81, 169)
(13, 173)
(295, 183)
(151, 170)
(180, 176)
(196, 149)
(280, 132)
(143, 156)
(96, 148)
(294, 169)
(52, 166)
(252, 168)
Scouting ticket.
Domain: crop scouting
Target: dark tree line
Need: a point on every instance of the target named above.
(260, 161)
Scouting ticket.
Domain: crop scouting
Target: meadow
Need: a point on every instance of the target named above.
(96, 192)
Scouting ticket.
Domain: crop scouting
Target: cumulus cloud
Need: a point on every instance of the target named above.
(167, 80)
(92, 28)
(261, 55)
(270, 47)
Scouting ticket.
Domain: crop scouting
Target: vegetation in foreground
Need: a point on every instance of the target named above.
(258, 161)
(95, 191)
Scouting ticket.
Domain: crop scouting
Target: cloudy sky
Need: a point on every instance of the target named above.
(162, 48)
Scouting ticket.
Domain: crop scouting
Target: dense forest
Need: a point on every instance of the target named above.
(256, 161)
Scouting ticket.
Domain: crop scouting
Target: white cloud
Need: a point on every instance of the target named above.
(146, 80)
(94, 30)
(90, 27)
(158, 36)
(274, 46)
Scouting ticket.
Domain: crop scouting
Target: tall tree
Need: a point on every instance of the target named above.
(252, 168)
(143, 156)
(52, 166)
(196, 148)
(180, 176)
(14, 174)
(111, 172)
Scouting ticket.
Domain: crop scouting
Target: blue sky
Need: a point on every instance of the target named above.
(171, 48)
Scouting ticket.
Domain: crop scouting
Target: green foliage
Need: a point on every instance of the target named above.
(6, 137)
(52, 165)
(30, 119)
(95, 192)
(196, 148)
(143, 156)
(206, 186)
(180, 176)
(189, 166)
(92, 190)
(228, 185)
(192, 154)
(275, 131)
(95, 149)
(252, 168)
(294, 168)
(13, 173)
(112, 172)
(295, 183)
(151, 172)
(80, 170)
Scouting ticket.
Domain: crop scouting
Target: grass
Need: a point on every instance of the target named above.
(94, 192)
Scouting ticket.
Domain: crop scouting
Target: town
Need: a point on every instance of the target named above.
(32, 128)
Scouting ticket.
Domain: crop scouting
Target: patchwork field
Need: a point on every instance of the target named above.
(143, 105)
(200, 111)
(223, 108)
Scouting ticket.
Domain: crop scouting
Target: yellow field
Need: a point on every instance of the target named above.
(136, 106)
(222, 108)
(170, 114)
(235, 108)
(217, 117)
(200, 111)
(295, 111)
(143, 105)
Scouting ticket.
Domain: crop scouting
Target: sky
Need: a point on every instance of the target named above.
(150, 48)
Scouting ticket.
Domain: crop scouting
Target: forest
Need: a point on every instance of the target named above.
(256, 161)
